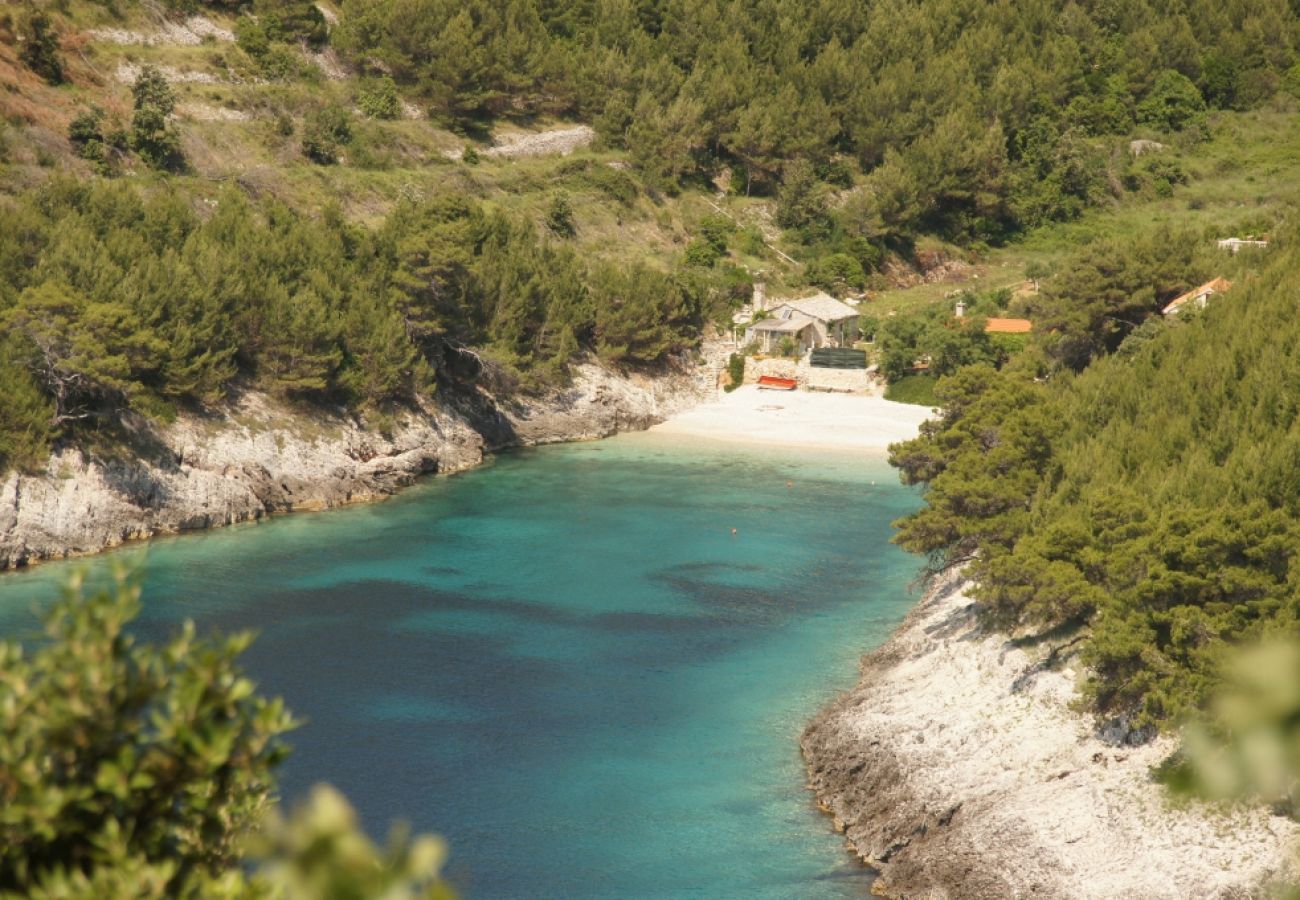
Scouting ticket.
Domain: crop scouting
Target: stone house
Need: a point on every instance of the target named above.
(816, 321)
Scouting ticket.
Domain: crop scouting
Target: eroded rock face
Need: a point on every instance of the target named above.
(261, 457)
(958, 769)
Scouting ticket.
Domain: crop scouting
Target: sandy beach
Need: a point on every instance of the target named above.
(799, 419)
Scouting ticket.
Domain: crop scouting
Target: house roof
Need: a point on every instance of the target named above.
(792, 325)
(1217, 286)
(1008, 326)
(822, 306)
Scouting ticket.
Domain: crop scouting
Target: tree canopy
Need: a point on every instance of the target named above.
(114, 298)
(1151, 501)
(130, 770)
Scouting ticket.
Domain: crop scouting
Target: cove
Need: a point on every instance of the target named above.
(564, 661)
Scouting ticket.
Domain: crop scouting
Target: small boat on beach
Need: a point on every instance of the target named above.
(773, 383)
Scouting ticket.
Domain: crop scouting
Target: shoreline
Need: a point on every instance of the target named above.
(258, 458)
(957, 767)
(801, 419)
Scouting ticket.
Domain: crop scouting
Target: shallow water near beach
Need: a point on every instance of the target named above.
(564, 661)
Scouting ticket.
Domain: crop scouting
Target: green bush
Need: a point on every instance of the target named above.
(133, 770)
(735, 371)
(717, 230)
(916, 389)
(1172, 104)
(837, 273)
(251, 36)
(126, 761)
(152, 135)
(293, 21)
(39, 45)
(559, 215)
(326, 132)
(86, 134)
(702, 253)
(378, 99)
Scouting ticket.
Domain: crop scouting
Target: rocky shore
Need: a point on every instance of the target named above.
(958, 769)
(257, 457)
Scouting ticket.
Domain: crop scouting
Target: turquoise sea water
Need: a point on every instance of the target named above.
(564, 661)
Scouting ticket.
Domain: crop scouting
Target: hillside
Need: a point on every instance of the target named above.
(1147, 505)
(359, 204)
(263, 255)
(374, 206)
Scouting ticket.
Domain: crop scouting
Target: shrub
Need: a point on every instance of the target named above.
(735, 371)
(122, 756)
(1173, 103)
(325, 133)
(251, 36)
(133, 770)
(293, 20)
(39, 46)
(377, 99)
(86, 133)
(701, 253)
(717, 229)
(559, 215)
(837, 273)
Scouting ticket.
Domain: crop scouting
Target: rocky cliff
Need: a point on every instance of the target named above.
(256, 457)
(958, 769)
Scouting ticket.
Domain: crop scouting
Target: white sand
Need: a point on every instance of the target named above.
(799, 419)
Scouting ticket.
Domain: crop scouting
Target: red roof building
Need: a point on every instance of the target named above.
(1008, 326)
(1200, 296)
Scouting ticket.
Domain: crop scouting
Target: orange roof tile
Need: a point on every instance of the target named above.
(1008, 326)
(1217, 286)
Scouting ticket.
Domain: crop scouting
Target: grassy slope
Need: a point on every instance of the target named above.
(917, 389)
(229, 121)
(1241, 180)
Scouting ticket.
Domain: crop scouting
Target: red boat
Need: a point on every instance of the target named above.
(773, 383)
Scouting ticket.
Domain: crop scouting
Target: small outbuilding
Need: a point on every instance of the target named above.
(1235, 244)
(1197, 297)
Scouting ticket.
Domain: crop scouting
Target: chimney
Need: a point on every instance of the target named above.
(961, 308)
(760, 296)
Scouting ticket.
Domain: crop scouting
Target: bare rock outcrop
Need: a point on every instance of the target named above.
(260, 457)
(958, 769)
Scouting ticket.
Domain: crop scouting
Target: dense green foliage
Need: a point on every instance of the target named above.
(124, 763)
(39, 45)
(130, 770)
(1252, 750)
(112, 297)
(152, 135)
(964, 137)
(735, 371)
(1152, 500)
(915, 389)
(940, 341)
(1110, 288)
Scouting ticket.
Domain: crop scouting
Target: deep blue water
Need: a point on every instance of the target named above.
(564, 661)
